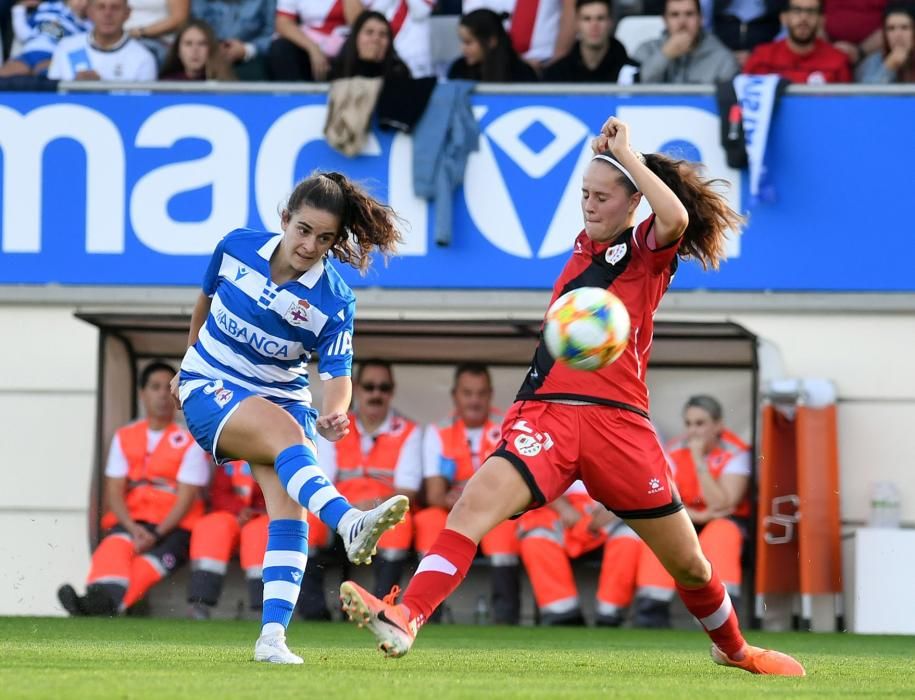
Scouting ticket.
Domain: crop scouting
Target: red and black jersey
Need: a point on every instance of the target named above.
(639, 275)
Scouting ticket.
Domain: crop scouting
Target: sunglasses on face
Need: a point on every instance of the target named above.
(384, 388)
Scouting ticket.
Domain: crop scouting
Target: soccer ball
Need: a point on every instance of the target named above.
(587, 328)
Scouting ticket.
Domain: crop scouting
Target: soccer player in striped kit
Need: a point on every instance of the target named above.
(268, 302)
(594, 426)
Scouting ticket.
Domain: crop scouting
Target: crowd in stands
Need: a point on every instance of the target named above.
(506, 41)
(167, 504)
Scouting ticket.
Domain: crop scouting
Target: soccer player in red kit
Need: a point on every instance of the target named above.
(568, 424)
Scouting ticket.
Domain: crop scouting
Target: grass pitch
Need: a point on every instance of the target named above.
(68, 659)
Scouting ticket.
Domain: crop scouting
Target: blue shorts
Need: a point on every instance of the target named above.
(33, 58)
(208, 404)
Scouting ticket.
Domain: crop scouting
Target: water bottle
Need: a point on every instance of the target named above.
(481, 612)
(885, 505)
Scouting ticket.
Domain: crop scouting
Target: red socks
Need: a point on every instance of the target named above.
(711, 605)
(438, 574)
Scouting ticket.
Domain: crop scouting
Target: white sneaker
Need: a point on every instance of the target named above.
(363, 531)
(272, 649)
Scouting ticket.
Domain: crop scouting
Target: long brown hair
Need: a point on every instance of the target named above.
(906, 73)
(366, 224)
(216, 68)
(710, 215)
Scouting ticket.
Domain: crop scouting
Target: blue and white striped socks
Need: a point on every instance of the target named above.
(284, 566)
(306, 483)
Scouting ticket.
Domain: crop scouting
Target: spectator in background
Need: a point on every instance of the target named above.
(310, 34)
(742, 25)
(6, 28)
(540, 30)
(381, 456)
(368, 51)
(154, 23)
(40, 31)
(105, 53)
(244, 29)
(596, 57)
(410, 27)
(487, 54)
(896, 62)
(801, 57)
(237, 523)
(685, 53)
(195, 55)
(152, 484)
(854, 26)
(712, 472)
(452, 451)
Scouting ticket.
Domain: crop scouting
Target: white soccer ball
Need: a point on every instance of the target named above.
(586, 328)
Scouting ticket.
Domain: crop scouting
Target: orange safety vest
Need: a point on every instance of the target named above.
(456, 456)
(233, 487)
(380, 462)
(687, 479)
(152, 478)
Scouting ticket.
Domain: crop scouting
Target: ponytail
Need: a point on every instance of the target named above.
(366, 225)
(710, 215)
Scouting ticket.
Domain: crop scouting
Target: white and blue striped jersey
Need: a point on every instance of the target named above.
(260, 335)
(44, 28)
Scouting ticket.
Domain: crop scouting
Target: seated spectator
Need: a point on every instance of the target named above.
(712, 472)
(854, 26)
(540, 30)
(742, 25)
(244, 29)
(410, 27)
(152, 487)
(550, 537)
(236, 524)
(381, 456)
(368, 51)
(896, 62)
(195, 55)
(105, 53)
(309, 36)
(452, 451)
(487, 53)
(685, 53)
(596, 57)
(801, 57)
(40, 31)
(154, 23)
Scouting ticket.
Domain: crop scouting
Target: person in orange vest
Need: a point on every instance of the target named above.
(152, 486)
(550, 537)
(237, 522)
(380, 457)
(452, 451)
(711, 468)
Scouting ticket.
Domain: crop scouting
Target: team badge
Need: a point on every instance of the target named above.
(528, 445)
(615, 253)
(222, 397)
(297, 313)
(178, 439)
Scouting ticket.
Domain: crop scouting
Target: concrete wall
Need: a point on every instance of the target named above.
(47, 410)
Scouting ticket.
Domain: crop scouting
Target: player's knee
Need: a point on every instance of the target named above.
(692, 570)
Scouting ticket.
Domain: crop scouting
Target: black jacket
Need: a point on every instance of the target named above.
(572, 69)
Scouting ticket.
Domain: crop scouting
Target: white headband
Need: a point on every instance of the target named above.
(619, 166)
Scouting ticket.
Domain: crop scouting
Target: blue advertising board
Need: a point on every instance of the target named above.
(136, 189)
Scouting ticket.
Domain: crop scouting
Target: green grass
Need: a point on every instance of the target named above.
(69, 659)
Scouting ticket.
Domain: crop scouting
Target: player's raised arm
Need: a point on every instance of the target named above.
(671, 217)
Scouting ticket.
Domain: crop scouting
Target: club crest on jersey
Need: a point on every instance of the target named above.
(178, 439)
(297, 313)
(615, 253)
